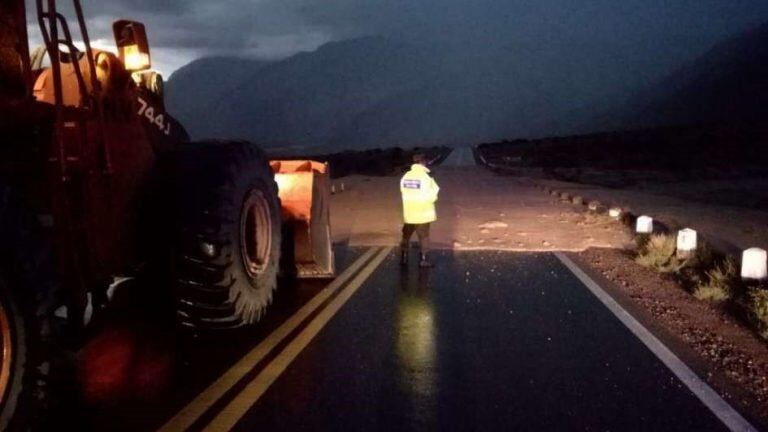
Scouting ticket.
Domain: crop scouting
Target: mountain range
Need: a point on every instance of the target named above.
(379, 92)
(728, 83)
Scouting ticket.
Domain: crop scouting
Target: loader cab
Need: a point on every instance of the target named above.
(76, 82)
(124, 84)
(113, 73)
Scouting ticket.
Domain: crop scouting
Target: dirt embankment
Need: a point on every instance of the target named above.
(711, 177)
(709, 163)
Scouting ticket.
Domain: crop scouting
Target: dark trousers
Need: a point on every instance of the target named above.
(422, 231)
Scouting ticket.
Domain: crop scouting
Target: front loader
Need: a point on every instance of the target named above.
(98, 181)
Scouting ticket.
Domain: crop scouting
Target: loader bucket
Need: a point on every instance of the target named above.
(304, 190)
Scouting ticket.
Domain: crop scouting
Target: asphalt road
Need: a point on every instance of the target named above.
(483, 341)
(459, 157)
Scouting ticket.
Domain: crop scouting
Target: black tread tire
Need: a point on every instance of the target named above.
(206, 186)
(28, 292)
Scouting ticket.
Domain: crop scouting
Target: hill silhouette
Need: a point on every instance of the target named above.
(375, 91)
(379, 92)
(729, 83)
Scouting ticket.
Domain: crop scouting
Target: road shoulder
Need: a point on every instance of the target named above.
(709, 371)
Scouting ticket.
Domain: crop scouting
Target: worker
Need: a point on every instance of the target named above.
(419, 191)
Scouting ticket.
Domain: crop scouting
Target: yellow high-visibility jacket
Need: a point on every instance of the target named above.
(419, 191)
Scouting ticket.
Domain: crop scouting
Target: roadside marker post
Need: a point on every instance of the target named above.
(686, 243)
(753, 264)
(644, 225)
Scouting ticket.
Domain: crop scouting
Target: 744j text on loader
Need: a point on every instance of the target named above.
(98, 181)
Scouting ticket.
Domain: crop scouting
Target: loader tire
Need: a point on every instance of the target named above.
(226, 236)
(27, 302)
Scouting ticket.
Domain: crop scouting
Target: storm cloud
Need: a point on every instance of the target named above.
(651, 30)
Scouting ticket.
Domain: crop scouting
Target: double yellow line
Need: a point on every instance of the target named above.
(250, 394)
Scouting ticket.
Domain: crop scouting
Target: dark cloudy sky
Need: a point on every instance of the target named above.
(182, 30)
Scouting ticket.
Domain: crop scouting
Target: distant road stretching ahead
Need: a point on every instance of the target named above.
(459, 157)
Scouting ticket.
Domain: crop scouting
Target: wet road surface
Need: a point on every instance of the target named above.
(483, 341)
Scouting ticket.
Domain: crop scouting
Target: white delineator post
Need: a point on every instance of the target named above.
(644, 225)
(686, 243)
(753, 264)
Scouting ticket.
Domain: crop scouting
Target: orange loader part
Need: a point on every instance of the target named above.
(304, 190)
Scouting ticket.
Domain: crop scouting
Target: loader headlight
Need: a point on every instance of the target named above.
(134, 59)
(132, 45)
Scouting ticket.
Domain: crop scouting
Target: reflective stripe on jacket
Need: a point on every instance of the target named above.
(419, 192)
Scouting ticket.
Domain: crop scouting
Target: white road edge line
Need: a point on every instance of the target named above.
(724, 411)
(237, 407)
(188, 415)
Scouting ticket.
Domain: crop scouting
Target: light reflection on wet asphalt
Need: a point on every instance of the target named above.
(483, 341)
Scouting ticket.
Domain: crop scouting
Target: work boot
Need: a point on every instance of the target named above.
(424, 262)
(403, 256)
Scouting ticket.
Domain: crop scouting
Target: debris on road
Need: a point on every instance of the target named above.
(493, 225)
(470, 216)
